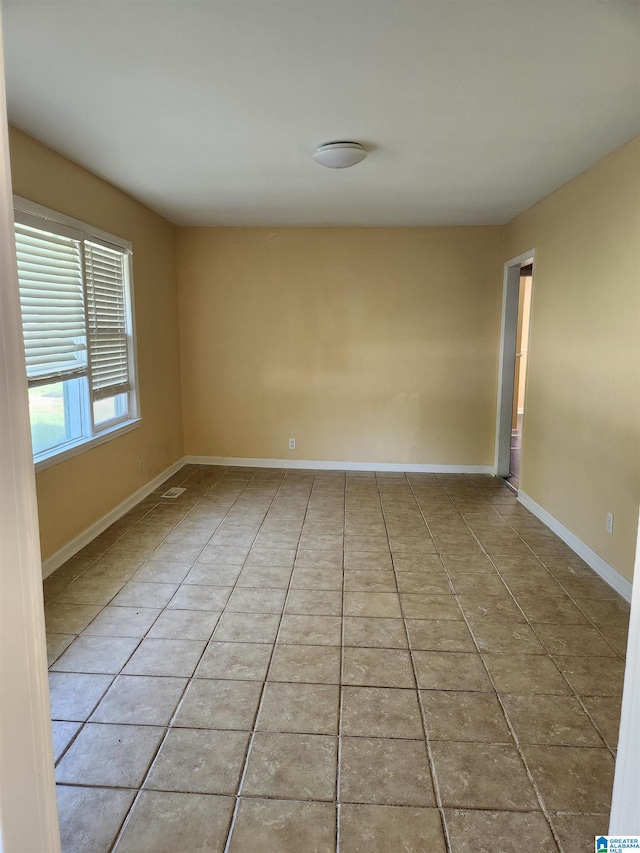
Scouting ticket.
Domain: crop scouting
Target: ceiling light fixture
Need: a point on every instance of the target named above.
(340, 155)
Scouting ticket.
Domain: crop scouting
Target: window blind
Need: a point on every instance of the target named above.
(107, 320)
(52, 302)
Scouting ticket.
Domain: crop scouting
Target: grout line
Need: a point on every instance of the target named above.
(114, 675)
(250, 742)
(430, 759)
(345, 498)
(138, 792)
(518, 747)
(532, 626)
(188, 683)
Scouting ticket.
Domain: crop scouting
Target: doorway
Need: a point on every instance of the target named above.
(520, 374)
(514, 349)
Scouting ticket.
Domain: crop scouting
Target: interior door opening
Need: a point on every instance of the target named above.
(514, 350)
(520, 374)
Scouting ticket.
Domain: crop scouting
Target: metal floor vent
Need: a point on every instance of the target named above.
(174, 492)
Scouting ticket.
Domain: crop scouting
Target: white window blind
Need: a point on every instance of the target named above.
(52, 301)
(77, 312)
(107, 320)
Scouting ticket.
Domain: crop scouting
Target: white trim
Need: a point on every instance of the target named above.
(67, 551)
(40, 212)
(625, 801)
(86, 444)
(506, 361)
(519, 260)
(325, 465)
(135, 412)
(608, 574)
(28, 813)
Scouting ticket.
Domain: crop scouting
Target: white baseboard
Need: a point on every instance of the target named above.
(67, 551)
(625, 800)
(324, 465)
(608, 574)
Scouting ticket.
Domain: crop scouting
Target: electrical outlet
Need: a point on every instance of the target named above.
(292, 444)
(609, 522)
(141, 466)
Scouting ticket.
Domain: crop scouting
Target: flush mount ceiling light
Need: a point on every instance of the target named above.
(340, 155)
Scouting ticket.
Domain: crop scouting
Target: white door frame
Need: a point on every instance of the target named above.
(507, 360)
(625, 802)
(28, 814)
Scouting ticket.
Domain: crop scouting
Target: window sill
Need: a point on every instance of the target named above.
(86, 444)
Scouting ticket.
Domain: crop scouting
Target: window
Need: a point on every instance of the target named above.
(75, 294)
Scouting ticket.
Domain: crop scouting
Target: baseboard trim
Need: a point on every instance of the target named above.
(608, 574)
(324, 465)
(67, 551)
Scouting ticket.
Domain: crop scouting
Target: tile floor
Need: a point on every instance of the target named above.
(301, 662)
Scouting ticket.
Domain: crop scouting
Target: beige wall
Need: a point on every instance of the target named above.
(373, 345)
(581, 446)
(364, 344)
(74, 494)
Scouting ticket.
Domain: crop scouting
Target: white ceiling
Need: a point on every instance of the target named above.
(209, 111)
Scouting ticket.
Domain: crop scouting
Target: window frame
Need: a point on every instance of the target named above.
(36, 215)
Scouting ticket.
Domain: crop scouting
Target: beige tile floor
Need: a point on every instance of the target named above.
(304, 662)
